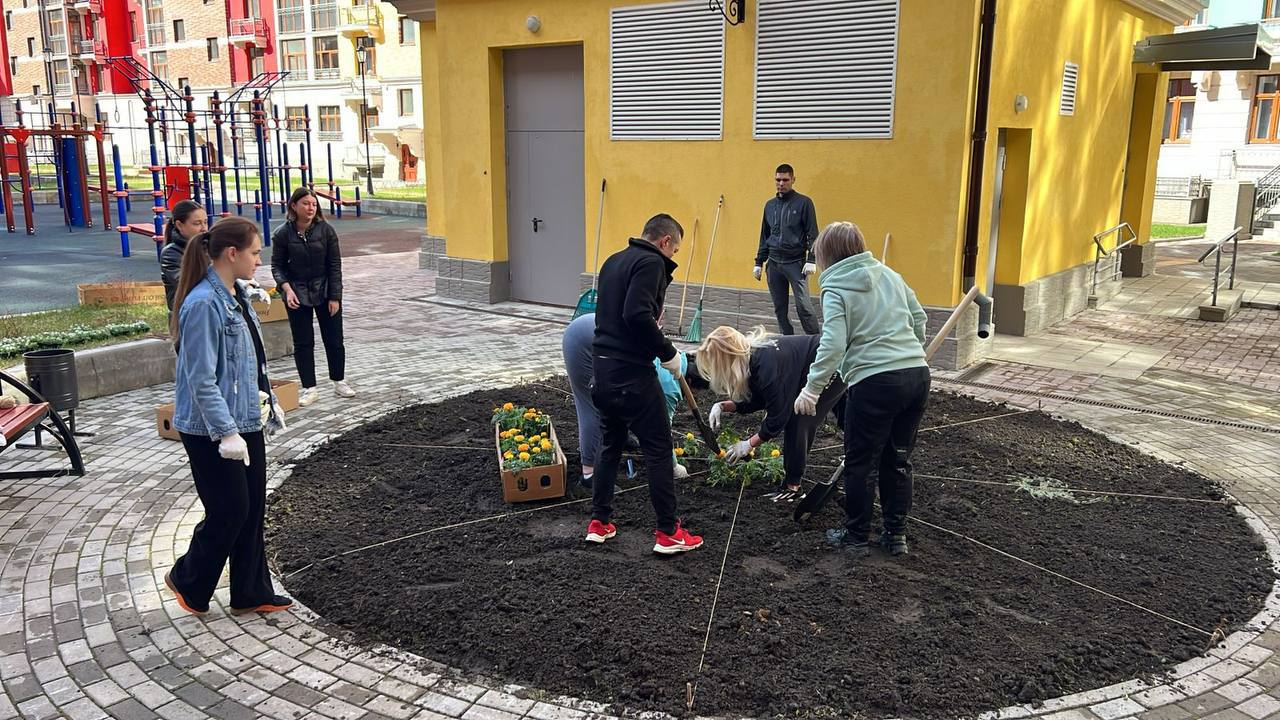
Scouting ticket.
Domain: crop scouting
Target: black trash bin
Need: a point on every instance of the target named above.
(52, 373)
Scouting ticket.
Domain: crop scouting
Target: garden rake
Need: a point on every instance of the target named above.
(587, 302)
(812, 501)
(695, 327)
(693, 243)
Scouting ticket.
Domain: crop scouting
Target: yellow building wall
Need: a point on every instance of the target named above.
(911, 185)
(394, 59)
(433, 164)
(1075, 183)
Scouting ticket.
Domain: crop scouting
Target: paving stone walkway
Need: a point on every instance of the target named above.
(87, 629)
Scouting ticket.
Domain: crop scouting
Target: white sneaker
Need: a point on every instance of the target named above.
(679, 472)
(342, 389)
(308, 396)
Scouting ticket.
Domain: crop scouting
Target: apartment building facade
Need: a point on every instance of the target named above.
(339, 60)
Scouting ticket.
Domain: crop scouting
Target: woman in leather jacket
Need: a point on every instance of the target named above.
(188, 220)
(307, 266)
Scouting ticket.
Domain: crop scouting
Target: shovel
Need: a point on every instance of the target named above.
(812, 501)
(708, 436)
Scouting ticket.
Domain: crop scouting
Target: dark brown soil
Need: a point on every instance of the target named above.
(800, 629)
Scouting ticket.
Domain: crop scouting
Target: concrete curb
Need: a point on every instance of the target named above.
(402, 208)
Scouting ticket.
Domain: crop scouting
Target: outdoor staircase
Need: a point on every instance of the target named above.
(1266, 198)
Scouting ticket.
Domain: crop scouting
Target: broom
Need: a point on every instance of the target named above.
(693, 243)
(587, 302)
(695, 327)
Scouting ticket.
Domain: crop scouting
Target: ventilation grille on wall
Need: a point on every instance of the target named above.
(666, 72)
(1070, 79)
(825, 68)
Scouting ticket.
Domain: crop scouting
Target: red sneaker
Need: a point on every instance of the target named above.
(598, 532)
(679, 541)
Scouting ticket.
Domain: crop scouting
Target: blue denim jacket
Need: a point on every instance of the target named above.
(216, 385)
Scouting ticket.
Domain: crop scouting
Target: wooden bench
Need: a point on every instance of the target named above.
(36, 413)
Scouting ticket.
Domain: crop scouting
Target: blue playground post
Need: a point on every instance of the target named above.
(157, 194)
(122, 202)
(222, 161)
(74, 185)
(357, 201)
(259, 130)
(257, 206)
(337, 196)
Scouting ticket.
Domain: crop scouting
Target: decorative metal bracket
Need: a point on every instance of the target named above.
(734, 11)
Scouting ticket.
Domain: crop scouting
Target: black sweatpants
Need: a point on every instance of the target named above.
(234, 499)
(628, 397)
(800, 430)
(882, 417)
(789, 276)
(304, 343)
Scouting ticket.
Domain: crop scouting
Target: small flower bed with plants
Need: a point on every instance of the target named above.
(524, 437)
(74, 335)
(764, 464)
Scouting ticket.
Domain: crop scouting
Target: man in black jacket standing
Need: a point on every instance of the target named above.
(631, 290)
(787, 233)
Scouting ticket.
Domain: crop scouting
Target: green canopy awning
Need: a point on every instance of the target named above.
(1239, 47)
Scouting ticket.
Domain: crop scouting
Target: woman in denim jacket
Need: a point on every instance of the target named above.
(221, 370)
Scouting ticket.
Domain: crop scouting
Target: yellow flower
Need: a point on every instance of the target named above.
(519, 438)
(523, 447)
(721, 453)
(508, 454)
(507, 406)
(545, 445)
(533, 411)
(496, 409)
(524, 456)
(679, 452)
(776, 452)
(688, 436)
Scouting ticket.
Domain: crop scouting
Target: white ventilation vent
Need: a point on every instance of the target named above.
(1070, 80)
(666, 72)
(825, 68)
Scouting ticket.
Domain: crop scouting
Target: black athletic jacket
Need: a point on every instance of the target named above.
(630, 292)
(788, 229)
(778, 371)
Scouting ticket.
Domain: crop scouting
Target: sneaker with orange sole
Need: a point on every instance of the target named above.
(182, 602)
(677, 542)
(598, 532)
(277, 603)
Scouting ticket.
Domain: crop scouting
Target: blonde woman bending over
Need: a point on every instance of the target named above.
(766, 372)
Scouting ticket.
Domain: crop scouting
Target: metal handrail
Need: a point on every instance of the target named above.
(1101, 252)
(1216, 251)
(1266, 193)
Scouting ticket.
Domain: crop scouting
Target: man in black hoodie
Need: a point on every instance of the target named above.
(631, 289)
(787, 233)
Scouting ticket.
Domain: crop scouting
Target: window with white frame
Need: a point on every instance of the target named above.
(405, 96)
(666, 72)
(825, 69)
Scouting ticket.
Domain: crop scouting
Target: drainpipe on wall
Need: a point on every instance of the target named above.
(977, 153)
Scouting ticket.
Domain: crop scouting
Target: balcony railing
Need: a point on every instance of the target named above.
(58, 44)
(291, 20)
(324, 16)
(362, 20)
(62, 88)
(329, 136)
(89, 48)
(156, 35)
(248, 31)
(93, 6)
(326, 73)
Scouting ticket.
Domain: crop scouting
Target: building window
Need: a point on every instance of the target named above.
(1262, 122)
(1270, 9)
(293, 117)
(326, 57)
(672, 95)
(292, 16)
(133, 26)
(295, 58)
(257, 61)
(406, 102)
(370, 119)
(370, 65)
(408, 31)
(35, 90)
(183, 83)
(31, 47)
(324, 15)
(179, 31)
(330, 123)
(155, 23)
(8, 20)
(1200, 18)
(160, 65)
(57, 33)
(1179, 110)
(211, 47)
(61, 78)
(13, 65)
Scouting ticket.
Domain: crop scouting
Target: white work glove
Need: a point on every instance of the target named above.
(755, 272)
(741, 450)
(254, 291)
(806, 403)
(233, 447)
(808, 269)
(679, 472)
(713, 417)
(673, 365)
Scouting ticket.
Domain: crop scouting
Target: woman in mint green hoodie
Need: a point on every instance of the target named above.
(873, 341)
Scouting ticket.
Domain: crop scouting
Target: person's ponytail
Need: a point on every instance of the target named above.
(195, 263)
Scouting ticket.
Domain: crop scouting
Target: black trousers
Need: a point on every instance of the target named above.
(628, 397)
(784, 276)
(882, 418)
(234, 498)
(304, 343)
(798, 435)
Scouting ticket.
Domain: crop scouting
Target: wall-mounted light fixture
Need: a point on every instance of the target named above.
(532, 23)
(734, 11)
(1019, 103)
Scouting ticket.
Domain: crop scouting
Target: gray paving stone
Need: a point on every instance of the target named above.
(131, 710)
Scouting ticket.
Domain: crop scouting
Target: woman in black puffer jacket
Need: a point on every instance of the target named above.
(307, 266)
(188, 221)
